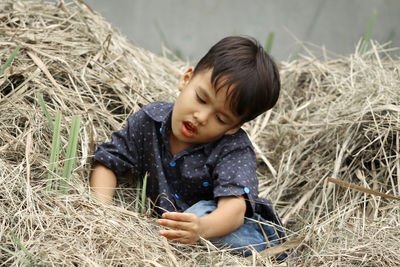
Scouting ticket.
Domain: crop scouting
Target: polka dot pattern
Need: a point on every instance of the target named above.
(226, 167)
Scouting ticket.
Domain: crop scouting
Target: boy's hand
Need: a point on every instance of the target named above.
(185, 227)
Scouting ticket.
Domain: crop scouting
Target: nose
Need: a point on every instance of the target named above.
(201, 116)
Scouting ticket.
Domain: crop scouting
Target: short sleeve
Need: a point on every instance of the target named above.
(235, 175)
(125, 150)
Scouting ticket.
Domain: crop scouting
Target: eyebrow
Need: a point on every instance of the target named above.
(205, 93)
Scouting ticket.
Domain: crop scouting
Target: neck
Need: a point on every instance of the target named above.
(175, 145)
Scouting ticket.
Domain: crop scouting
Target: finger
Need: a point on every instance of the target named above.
(171, 234)
(174, 224)
(175, 235)
(179, 216)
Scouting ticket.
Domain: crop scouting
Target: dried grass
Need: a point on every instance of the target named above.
(341, 119)
(335, 118)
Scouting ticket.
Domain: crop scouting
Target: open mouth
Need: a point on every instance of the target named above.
(188, 129)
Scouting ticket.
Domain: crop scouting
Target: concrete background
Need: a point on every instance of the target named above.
(190, 27)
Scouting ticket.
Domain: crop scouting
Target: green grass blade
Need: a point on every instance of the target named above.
(55, 151)
(22, 247)
(70, 157)
(45, 110)
(21, 259)
(143, 198)
(390, 39)
(368, 33)
(269, 42)
(137, 201)
(10, 59)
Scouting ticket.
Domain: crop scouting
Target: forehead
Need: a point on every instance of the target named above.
(220, 86)
(215, 89)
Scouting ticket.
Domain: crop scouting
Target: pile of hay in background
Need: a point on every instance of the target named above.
(337, 119)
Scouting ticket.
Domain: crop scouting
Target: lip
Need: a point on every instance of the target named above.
(188, 129)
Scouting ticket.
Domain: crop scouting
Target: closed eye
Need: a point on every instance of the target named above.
(200, 99)
(220, 120)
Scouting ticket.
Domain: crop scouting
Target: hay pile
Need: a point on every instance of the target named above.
(336, 119)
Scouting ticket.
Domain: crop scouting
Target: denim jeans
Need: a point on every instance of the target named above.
(249, 235)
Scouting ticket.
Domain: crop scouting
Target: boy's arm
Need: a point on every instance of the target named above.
(103, 182)
(188, 228)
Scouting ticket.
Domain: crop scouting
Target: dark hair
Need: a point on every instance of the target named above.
(251, 76)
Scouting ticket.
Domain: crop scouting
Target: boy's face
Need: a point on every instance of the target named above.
(200, 115)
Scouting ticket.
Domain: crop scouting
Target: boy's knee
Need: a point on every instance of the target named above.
(249, 237)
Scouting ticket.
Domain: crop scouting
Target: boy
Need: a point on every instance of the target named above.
(201, 164)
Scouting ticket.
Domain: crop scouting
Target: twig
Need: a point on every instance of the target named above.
(360, 188)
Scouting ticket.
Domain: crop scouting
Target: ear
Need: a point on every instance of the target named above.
(233, 130)
(185, 78)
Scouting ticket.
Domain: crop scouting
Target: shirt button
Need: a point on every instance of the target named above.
(172, 164)
(176, 196)
(206, 184)
(246, 190)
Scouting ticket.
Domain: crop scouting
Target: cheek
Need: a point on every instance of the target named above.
(182, 103)
(215, 130)
(180, 106)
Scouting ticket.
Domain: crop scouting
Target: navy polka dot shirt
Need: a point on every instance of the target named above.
(225, 167)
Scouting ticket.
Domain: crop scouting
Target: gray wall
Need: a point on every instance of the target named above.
(190, 27)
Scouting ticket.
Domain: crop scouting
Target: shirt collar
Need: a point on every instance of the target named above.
(159, 111)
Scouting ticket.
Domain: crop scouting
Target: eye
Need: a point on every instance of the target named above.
(220, 120)
(200, 99)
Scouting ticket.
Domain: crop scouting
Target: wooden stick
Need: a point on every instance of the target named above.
(282, 247)
(360, 188)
